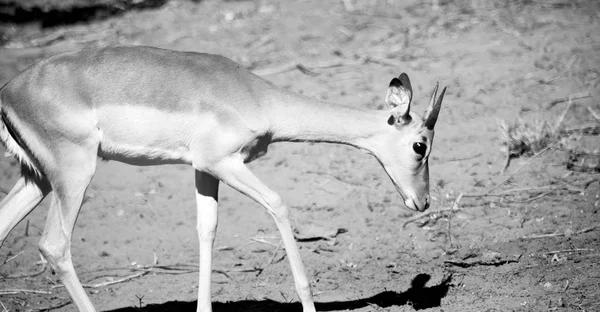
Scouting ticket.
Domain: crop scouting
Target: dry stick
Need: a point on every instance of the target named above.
(594, 113)
(36, 273)
(305, 68)
(570, 187)
(569, 250)
(98, 285)
(4, 309)
(274, 254)
(521, 168)
(168, 269)
(534, 198)
(18, 291)
(125, 279)
(575, 96)
(463, 158)
(589, 229)
(13, 257)
(507, 160)
(427, 213)
(527, 189)
(561, 119)
(449, 232)
(260, 240)
(53, 307)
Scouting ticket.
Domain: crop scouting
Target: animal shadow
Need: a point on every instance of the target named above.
(419, 296)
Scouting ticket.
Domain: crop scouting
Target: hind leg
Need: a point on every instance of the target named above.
(19, 202)
(69, 183)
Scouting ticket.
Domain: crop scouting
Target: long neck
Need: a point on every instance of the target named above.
(300, 118)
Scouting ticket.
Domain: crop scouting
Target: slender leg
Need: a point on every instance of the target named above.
(69, 184)
(207, 188)
(233, 172)
(21, 200)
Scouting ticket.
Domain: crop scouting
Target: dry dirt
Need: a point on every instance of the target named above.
(501, 61)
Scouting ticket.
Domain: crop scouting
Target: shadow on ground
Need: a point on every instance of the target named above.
(419, 296)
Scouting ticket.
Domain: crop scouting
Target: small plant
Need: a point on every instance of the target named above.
(527, 138)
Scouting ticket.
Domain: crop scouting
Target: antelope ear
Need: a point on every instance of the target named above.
(399, 97)
(433, 110)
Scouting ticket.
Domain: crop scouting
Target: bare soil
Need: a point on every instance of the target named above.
(501, 61)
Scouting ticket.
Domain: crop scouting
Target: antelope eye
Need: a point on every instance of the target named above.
(420, 148)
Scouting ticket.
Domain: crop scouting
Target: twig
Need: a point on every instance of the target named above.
(507, 157)
(274, 254)
(53, 307)
(18, 291)
(535, 236)
(495, 262)
(594, 113)
(36, 273)
(13, 257)
(124, 279)
(108, 283)
(569, 188)
(260, 240)
(562, 116)
(463, 158)
(582, 129)
(441, 210)
(449, 230)
(528, 200)
(335, 177)
(575, 96)
(305, 69)
(568, 250)
(566, 286)
(140, 298)
(521, 168)
(4, 309)
(239, 270)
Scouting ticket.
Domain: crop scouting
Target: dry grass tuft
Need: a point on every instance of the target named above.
(527, 138)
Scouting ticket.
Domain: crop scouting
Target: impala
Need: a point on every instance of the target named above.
(149, 106)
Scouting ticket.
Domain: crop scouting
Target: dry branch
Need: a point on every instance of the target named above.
(569, 250)
(463, 158)
(108, 283)
(307, 69)
(466, 264)
(54, 306)
(535, 236)
(594, 113)
(19, 291)
(36, 273)
(521, 168)
(441, 210)
(572, 97)
(13, 257)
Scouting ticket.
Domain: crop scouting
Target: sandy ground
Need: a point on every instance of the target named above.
(501, 61)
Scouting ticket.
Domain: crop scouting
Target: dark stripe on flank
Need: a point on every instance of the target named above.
(26, 171)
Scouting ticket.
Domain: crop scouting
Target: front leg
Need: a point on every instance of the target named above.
(207, 188)
(233, 172)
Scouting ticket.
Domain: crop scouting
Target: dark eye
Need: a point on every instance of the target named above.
(420, 148)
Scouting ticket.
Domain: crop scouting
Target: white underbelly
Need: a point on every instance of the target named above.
(147, 136)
